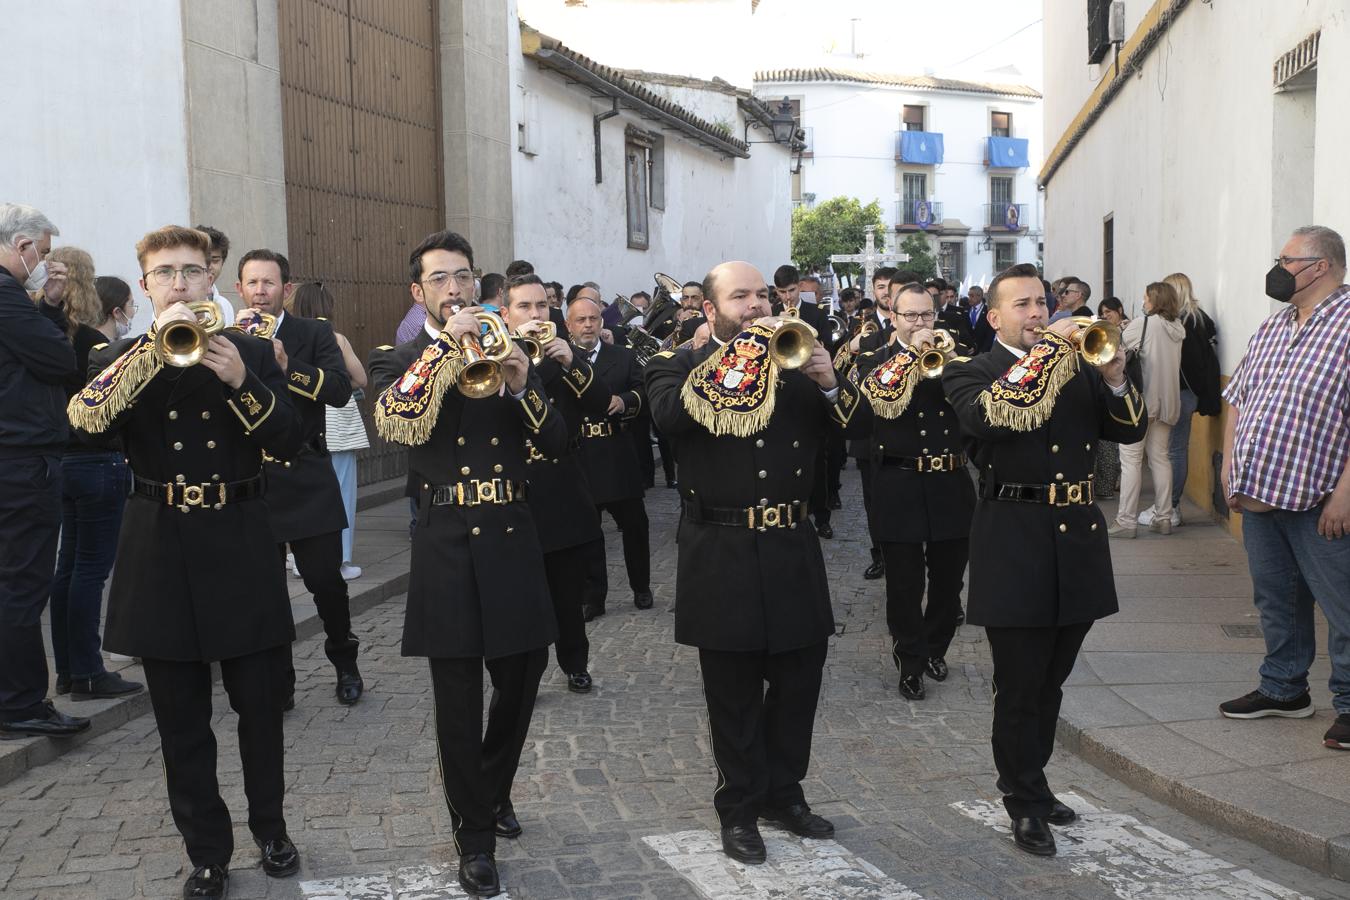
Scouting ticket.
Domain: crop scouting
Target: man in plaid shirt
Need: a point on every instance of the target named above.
(1287, 470)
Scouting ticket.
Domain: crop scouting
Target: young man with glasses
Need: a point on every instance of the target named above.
(192, 436)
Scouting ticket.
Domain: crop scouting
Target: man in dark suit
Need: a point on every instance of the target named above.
(952, 318)
(1033, 412)
(303, 495)
(192, 436)
(560, 498)
(980, 329)
(921, 494)
(478, 590)
(751, 587)
(608, 457)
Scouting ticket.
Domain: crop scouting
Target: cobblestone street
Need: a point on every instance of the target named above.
(615, 788)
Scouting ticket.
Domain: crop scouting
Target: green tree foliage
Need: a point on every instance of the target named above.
(835, 226)
(921, 260)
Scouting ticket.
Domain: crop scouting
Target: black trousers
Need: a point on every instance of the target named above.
(1030, 665)
(820, 489)
(837, 454)
(667, 451)
(631, 517)
(761, 739)
(319, 560)
(566, 573)
(918, 633)
(865, 473)
(642, 443)
(30, 521)
(477, 766)
(180, 694)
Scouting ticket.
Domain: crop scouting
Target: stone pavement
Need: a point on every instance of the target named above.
(615, 787)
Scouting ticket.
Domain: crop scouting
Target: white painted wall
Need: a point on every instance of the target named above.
(574, 230)
(98, 136)
(854, 128)
(1184, 156)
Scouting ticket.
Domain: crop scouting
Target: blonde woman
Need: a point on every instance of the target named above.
(1157, 336)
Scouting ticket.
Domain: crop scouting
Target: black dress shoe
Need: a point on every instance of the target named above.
(62, 685)
(590, 612)
(672, 484)
(936, 667)
(911, 687)
(579, 683)
(290, 702)
(478, 875)
(876, 570)
(279, 857)
(642, 599)
(349, 687)
(743, 843)
(1032, 835)
(1061, 814)
(49, 723)
(835, 502)
(207, 881)
(103, 686)
(825, 531)
(799, 820)
(508, 826)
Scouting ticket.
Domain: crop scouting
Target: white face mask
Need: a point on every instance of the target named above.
(37, 276)
(123, 326)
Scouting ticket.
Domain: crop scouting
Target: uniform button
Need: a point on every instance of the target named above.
(1063, 528)
(1059, 476)
(920, 415)
(178, 445)
(215, 477)
(179, 478)
(881, 446)
(510, 529)
(206, 414)
(497, 468)
(799, 473)
(464, 470)
(763, 474)
(763, 501)
(494, 442)
(173, 414)
(759, 442)
(286, 464)
(925, 451)
(477, 531)
(425, 486)
(460, 441)
(923, 433)
(219, 506)
(1087, 447)
(1054, 448)
(946, 431)
(796, 444)
(210, 445)
(941, 413)
(1094, 526)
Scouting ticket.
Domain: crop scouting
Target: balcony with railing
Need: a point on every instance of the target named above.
(919, 148)
(1006, 217)
(918, 215)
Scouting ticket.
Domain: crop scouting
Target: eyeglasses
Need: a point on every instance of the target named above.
(1286, 260)
(440, 279)
(167, 275)
(913, 317)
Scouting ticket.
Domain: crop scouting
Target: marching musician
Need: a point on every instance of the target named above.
(608, 456)
(751, 588)
(478, 590)
(922, 495)
(304, 497)
(1033, 410)
(194, 435)
(560, 498)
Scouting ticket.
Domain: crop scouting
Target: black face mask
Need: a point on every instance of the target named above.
(1281, 284)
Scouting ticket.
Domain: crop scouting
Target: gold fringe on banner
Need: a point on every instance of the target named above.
(111, 393)
(890, 386)
(406, 411)
(1023, 398)
(733, 392)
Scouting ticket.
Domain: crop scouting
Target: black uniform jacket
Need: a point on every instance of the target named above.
(909, 506)
(302, 491)
(957, 321)
(738, 588)
(1034, 564)
(607, 452)
(560, 498)
(205, 584)
(477, 586)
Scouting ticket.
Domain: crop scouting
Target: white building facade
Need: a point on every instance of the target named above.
(1197, 146)
(921, 146)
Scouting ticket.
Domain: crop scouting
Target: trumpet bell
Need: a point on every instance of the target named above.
(480, 378)
(181, 343)
(533, 339)
(792, 341)
(1099, 343)
(933, 357)
(481, 375)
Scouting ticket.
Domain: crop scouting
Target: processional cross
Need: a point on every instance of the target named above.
(870, 259)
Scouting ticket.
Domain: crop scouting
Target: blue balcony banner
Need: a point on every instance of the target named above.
(922, 147)
(1008, 153)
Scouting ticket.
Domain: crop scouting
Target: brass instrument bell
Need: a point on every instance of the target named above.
(481, 375)
(792, 341)
(1097, 339)
(182, 343)
(533, 336)
(933, 355)
(259, 324)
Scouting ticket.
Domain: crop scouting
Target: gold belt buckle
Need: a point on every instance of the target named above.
(937, 463)
(486, 491)
(193, 495)
(771, 517)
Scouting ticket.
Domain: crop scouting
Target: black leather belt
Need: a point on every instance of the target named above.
(476, 492)
(760, 518)
(947, 462)
(207, 495)
(1061, 493)
(598, 429)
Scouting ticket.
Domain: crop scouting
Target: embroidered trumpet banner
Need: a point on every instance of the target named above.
(112, 391)
(891, 385)
(1024, 396)
(406, 411)
(733, 392)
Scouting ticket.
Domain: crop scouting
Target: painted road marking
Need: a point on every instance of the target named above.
(408, 883)
(1136, 861)
(797, 869)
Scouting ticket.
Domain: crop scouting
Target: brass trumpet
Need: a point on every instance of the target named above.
(933, 355)
(533, 336)
(482, 372)
(259, 324)
(792, 340)
(181, 343)
(1097, 339)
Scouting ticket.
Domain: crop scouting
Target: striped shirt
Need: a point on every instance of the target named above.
(412, 320)
(1292, 390)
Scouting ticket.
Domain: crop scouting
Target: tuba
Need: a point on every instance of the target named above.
(838, 327)
(532, 337)
(481, 375)
(662, 312)
(792, 341)
(933, 356)
(1097, 339)
(183, 344)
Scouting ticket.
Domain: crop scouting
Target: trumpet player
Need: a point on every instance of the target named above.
(304, 497)
(751, 588)
(564, 511)
(192, 435)
(922, 495)
(1033, 409)
(478, 589)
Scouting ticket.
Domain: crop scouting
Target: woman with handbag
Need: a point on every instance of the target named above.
(1155, 338)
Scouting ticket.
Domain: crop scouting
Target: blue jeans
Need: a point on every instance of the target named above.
(1292, 568)
(94, 493)
(344, 464)
(1178, 446)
